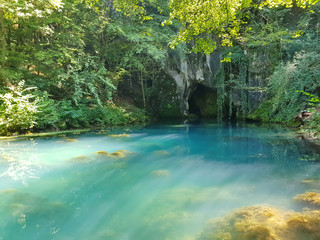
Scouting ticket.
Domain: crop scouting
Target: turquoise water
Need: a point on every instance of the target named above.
(169, 181)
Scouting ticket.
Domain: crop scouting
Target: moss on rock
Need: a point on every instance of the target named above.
(309, 198)
(264, 223)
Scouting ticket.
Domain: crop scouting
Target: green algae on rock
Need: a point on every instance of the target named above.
(254, 222)
(118, 154)
(309, 198)
(101, 152)
(264, 223)
(119, 135)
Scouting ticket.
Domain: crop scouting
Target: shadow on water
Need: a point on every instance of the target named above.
(162, 181)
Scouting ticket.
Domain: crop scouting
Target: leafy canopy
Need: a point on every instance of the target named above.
(208, 23)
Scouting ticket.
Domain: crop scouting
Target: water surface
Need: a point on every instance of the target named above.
(169, 181)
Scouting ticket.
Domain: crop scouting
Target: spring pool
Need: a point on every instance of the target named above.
(160, 182)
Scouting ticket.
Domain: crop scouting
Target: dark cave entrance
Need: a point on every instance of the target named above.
(203, 102)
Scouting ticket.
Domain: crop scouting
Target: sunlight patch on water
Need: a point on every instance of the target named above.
(19, 161)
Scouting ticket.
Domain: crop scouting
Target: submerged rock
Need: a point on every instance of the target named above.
(118, 154)
(71, 140)
(100, 155)
(303, 225)
(256, 222)
(102, 152)
(123, 151)
(160, 173)
(264, 223)
(17, 203)
(67, 140)
(310, 198)
(119, 135)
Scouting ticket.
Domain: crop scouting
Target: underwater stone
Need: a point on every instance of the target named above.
(311, 198)
(264, 223)
(71, 140)
(67, 140)
(119, 135)
(24, 203)
(123, 151)
(160, 173)
(303, 225)
(118, 154)
(102, 152)
(255, 222)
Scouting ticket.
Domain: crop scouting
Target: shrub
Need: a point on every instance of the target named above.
(311, 124)
(48, 115)
(284, 103)
(19, 108)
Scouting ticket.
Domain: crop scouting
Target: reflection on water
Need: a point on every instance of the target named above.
(18, 160)
(159, 182)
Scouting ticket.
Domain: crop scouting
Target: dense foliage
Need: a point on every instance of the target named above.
(77, 52)
(291, 49)
(273, 54)
(302, 73)
(18, 110)
(83, 63)
(210, 24)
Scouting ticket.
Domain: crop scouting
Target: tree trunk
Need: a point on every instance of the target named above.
(142, 89)
(2, 40)
(130, 80)
(2, 49)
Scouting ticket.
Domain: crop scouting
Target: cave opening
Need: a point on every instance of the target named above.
(203, 102)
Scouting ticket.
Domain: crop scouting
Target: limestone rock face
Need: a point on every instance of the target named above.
(246, 80)
(190, 71)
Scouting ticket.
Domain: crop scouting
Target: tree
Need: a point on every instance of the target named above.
(207, 24)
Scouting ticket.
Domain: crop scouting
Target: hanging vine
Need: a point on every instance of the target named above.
(244, 90)
(220, 78)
